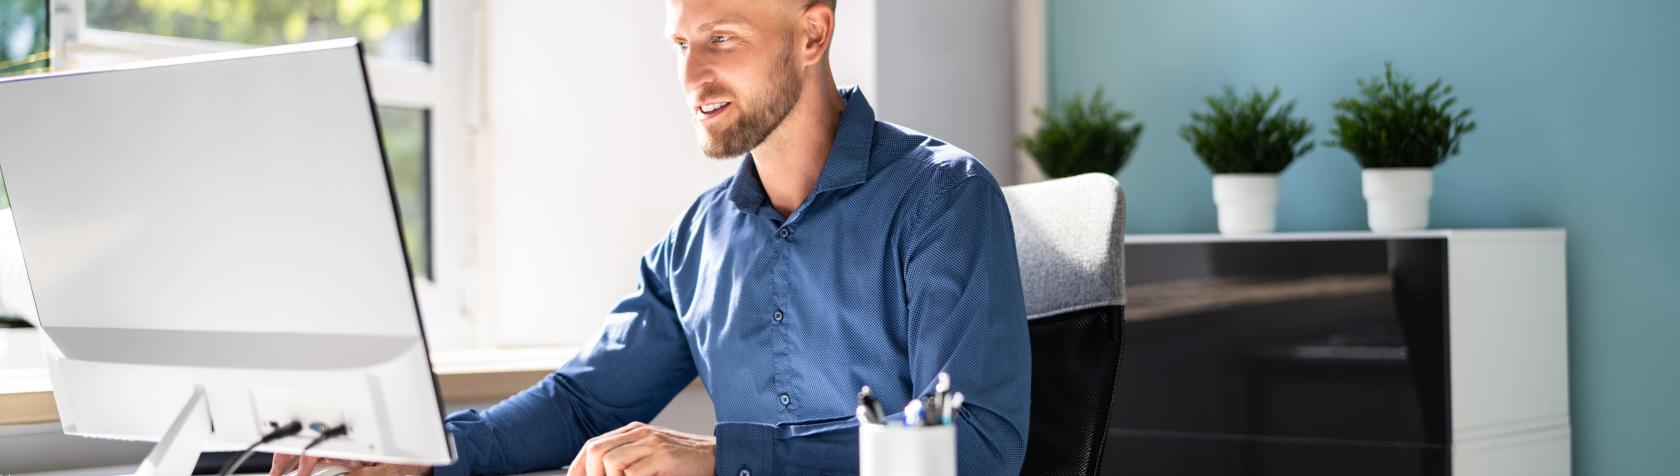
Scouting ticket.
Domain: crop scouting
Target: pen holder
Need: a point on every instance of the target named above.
(894, 450)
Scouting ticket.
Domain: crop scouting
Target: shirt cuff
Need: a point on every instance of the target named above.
(744, 449)
(459, 426)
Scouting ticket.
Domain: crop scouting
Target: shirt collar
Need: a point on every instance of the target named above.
(848, 158)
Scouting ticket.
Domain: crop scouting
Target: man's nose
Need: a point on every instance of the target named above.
(696, 70)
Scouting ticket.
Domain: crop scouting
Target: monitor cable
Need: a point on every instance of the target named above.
(279, 432)
(325, 434)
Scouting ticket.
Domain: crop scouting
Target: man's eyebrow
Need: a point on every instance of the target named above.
(712, 25)
(726, 22)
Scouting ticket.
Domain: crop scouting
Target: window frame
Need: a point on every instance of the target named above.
(448, 87)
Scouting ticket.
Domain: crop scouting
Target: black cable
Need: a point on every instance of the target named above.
(326, 434)
(330, 433)
(279, 432)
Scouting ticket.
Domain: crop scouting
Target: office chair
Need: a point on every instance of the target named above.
(1069, 238)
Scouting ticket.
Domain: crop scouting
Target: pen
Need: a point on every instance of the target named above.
(869, 408)
(950, 410)
(941, 394)
(914, 414)
(930, 410)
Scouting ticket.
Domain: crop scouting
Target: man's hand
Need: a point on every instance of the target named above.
(283, 462)
(639, 448)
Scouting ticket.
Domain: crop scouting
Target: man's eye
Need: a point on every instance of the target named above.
(719, 38)
(680, 47)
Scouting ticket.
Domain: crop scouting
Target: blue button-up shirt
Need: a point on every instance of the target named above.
(899, 265)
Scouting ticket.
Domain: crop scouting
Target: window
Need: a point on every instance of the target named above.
(23, 37)
(388, 28)
(404, 133)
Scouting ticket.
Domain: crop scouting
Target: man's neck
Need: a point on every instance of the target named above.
(791, 160)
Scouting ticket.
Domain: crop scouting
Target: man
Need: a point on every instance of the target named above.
(845, 252)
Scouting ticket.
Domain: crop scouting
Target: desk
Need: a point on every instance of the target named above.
(464, 377)
(29, 430)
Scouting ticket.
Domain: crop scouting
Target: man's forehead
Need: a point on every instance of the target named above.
(735, 3)
(701, 14)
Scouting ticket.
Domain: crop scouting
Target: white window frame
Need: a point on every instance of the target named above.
(448, 86)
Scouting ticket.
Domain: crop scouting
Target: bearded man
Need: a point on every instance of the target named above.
(845, 252)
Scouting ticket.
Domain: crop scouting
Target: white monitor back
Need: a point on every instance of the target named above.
(222, 222)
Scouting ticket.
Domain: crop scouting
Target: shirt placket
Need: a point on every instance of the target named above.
(779, 320)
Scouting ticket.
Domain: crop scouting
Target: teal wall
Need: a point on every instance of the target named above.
(1579, 111)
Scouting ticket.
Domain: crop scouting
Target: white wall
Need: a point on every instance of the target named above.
(589, 158)
(589, 155)
(946, 68)
(1032, 78)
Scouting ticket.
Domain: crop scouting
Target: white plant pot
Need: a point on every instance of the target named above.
(1247, 202)
(1397, 199)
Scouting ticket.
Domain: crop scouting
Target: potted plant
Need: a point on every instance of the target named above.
(1079, 136)
(1246, 142)
(1398, 134)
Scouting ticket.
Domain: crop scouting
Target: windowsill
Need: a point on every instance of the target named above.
(494, 374)
(26, 397)
(463, 376)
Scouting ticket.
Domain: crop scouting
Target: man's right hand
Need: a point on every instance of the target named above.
(283, 462)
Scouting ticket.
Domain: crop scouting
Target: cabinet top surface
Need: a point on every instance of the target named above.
(1499, 234)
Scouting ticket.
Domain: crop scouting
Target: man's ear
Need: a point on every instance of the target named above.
(817, 34)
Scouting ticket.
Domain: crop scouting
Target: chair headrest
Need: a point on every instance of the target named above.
(1070, 239)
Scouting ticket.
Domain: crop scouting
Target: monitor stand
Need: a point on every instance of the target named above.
(176, 454)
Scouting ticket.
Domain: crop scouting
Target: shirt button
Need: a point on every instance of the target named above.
(784, 399)
(777, 315)
(784, 232)
(746, 473)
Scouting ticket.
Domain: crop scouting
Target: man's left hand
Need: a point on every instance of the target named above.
(640, 448)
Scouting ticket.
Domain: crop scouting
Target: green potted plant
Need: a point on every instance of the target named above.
(1246, 142)
(1079, 136)
(1399, 133)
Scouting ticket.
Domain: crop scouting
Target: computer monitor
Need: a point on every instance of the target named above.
(214, 248)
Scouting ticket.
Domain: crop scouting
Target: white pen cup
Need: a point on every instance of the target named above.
(896, 450)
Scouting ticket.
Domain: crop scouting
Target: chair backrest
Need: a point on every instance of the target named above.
(1069, 235)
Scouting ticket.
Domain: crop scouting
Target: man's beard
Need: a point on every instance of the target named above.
(755, 124)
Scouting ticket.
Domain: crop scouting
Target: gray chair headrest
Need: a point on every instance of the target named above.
(1070, 238)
